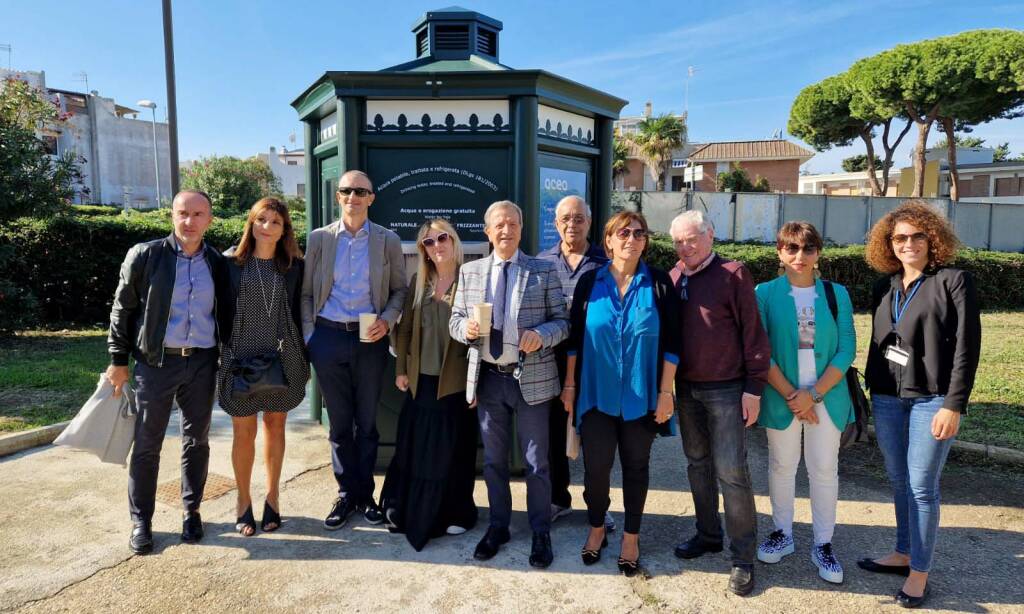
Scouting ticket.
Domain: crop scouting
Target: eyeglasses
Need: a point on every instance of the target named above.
(574, 219)
(917, 237)
(441, 238)
(518, 371)
(360, 192)
(793, 249)
(638, 233)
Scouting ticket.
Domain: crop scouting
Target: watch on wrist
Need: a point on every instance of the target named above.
(815, 395)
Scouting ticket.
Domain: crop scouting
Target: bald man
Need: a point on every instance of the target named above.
(353, 266)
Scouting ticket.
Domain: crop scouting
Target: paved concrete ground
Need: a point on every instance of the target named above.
(64, 530)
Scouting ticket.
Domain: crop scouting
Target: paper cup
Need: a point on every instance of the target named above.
(482, 316)
(366, 320)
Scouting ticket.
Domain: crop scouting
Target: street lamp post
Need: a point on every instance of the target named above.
(149, 104)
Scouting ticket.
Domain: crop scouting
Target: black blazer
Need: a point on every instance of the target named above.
(941, 329)
(232, 284)
(666, 301)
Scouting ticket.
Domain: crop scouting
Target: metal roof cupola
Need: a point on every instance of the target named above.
(455, 34)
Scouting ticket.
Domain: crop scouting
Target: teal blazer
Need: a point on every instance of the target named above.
(834, 345)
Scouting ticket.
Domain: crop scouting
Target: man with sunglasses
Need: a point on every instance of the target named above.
(723, 368)
(353, 266)
(515, 367)
(572, 256)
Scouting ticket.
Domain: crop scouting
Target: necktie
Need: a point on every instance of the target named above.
(498, 313)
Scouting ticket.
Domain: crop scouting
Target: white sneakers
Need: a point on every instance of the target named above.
(828, 565)
(774, 547)
(779, 545)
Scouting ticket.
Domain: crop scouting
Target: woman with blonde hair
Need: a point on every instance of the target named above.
(428, 489)
(924, 352)
(259, 320)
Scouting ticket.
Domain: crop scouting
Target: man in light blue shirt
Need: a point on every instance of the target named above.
(353, 267)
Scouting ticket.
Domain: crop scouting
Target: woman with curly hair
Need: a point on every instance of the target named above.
(925, 346)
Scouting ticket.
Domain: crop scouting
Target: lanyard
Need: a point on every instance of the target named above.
(897, 310)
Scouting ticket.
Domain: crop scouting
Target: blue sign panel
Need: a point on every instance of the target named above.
(556, 184)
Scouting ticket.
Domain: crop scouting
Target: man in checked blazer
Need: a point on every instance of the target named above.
(353, 266)
(512, 371)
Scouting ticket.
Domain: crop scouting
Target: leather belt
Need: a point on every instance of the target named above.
(503, 369)
(345, 326)
(185, 352)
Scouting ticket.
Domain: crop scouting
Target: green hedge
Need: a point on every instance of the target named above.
(999, 276)
(63, 271)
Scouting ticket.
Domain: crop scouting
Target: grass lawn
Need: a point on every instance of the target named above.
(45, 376)
(996, 411)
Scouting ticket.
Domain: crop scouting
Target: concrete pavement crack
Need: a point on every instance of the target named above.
(60, 590)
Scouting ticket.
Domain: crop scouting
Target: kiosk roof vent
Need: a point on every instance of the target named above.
(455, 33)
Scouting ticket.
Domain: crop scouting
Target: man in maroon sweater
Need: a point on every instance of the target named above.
(723, 367)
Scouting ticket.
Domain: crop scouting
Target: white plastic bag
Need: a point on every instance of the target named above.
(104, 426)
(572, 440)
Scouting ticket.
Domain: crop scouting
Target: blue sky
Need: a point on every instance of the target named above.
(240, 63)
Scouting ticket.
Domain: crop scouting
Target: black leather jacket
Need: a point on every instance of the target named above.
(227, 294)
(142, 301)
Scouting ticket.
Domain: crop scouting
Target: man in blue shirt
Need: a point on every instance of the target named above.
(572, 256)
(164, 314)
(353, 267)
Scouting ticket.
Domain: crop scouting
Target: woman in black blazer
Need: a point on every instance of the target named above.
(258, 312)
(925, 347)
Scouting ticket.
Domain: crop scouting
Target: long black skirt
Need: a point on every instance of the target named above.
(429, 483)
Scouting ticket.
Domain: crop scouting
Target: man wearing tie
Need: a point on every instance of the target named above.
(512, 371)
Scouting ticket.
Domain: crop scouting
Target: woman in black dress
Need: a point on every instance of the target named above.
(428, 489)
(258, 312)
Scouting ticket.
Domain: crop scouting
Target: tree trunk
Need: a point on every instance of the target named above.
(876, 190)
(954, 176)
(924, 125)
(890, 151)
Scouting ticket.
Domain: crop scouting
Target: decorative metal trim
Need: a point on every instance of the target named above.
(430, 122)
(575, 129)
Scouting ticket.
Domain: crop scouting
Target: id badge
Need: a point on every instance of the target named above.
(897, 355)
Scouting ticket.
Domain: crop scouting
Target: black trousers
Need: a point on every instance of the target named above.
(600, 435)
(351, 375)
(558, 462)
(191, 381)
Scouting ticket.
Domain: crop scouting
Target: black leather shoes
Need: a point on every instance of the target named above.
(541, 554)
(141, 541)
(589, 557)
(192, 528)
(741, 580)
(492, 540)
(906, 601)
(872, 566)
(372, 513)
(694, 547)
(341, 510)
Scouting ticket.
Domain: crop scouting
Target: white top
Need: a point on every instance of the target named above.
(804, 299)
(504, 321)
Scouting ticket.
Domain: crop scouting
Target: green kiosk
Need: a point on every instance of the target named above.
(447, 134)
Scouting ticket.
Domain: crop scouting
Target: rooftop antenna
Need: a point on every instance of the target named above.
(777, 134)
(82, 76)
(10, 51)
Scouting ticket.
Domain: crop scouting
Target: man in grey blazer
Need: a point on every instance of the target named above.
(353, 266)
(512, 371)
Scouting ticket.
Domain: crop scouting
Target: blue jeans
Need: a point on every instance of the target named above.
(914, 461)
(714, 441)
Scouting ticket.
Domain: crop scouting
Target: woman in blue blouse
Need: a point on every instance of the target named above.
(622, 360)
(807, 398)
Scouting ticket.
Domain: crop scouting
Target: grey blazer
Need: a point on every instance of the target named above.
(537, 304)
(387, 273)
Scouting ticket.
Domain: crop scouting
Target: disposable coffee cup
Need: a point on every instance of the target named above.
(366, 320)
(482, 316)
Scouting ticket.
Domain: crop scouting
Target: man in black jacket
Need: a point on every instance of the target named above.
(164, 315)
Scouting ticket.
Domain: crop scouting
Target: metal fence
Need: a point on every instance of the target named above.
(841, 219)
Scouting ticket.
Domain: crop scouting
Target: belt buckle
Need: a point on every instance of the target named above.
(186, 352)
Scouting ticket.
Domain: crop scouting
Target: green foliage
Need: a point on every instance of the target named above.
(620, 156)
(999, 276)
(821, 115)
(858, 163)
(737, 180)
(295, 204)
(961, 141)
(232, 183)
(32, 182)
(653, 143)
(64, 270)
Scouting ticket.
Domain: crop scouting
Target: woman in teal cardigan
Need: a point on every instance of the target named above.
(807, 396)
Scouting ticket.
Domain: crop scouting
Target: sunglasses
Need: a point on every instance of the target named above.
(361, 192)
(518, 371)
(441, 238)
(917, 237)
(683, 280)
(638, 233)
(793, 249)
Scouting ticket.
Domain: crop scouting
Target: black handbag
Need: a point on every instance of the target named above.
(262, 374)
(856, 431)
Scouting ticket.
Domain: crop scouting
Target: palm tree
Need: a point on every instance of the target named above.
(653, 143)
(620, 157)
